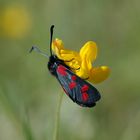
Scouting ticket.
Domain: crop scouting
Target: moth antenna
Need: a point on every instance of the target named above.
(51, 36)
(38, 51)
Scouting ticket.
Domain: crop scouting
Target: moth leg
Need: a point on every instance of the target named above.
(85, 78)
(75, 69)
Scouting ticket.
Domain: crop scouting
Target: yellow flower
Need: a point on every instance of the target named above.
(15, 21)
(81, 63)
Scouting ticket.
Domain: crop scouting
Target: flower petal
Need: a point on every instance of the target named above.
(99, 74)
(57, 46)
(74, 64)
(88, 62)
(89, 50)
(57, 43)
(68, 55)
(83, 72)
(61, 53)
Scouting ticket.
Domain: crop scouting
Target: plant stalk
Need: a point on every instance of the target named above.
(57, 118)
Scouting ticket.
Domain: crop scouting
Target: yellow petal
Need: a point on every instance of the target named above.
(74, 64)
(64, 54)
(99, 74)
(68, 55)
(89, 50)
(83, 72)
(57, 43)
(87, 61)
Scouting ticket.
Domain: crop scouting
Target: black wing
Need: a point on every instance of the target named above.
(79, 90)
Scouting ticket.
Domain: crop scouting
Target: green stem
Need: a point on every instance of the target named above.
(57, 118)
(25, 121)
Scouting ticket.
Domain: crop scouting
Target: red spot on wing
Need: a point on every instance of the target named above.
(72, 85)
(84, 88)
(73, 77)
(84, 96)
(61, 70)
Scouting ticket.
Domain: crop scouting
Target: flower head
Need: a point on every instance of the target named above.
(81, 63)
(15, 21)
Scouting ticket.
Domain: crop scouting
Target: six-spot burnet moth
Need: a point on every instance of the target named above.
(79, 90)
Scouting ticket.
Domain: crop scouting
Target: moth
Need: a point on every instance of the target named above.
(79, 90)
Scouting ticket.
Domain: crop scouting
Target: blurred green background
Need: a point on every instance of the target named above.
(29, 94)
